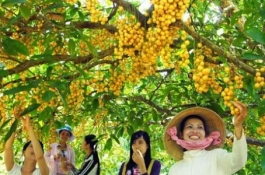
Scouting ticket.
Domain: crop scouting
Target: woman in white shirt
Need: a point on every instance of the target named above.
(194, 138)
(32, 152)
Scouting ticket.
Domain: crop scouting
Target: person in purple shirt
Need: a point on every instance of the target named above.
(140, 161)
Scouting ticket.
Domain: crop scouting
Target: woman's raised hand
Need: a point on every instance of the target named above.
(242, 114)
(26, 122)
(239, 118)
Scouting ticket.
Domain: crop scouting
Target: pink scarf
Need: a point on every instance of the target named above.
(213, 138)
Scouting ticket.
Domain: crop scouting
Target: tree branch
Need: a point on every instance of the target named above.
(256, 142)
(150, 103)
(133, 10)
(216, 48)
(91, 25)
(56, 58)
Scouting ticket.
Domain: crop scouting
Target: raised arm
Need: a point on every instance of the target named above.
(239, 119)
(236, 159)
(8, 152)
(36, 146)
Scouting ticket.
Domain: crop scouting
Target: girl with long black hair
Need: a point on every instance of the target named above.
(140, 161)
(91, 164)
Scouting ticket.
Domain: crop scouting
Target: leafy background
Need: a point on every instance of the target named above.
(113, 67)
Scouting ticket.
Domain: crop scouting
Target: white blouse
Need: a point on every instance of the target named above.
(215, 162)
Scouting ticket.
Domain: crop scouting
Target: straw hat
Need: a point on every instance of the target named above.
(212, 119)
(67, 128)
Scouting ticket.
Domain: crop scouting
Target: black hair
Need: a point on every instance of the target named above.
(147, 158)
(65, 130)
(92, 141)
(182, 124)
(28, 143)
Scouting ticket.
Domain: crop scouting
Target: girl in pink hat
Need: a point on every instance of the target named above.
(61, 151)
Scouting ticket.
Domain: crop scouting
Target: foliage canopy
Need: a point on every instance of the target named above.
(112, 67)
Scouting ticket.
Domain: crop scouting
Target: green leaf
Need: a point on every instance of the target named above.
(54, 6)
(81, 16)
(217, 108)
(3, 73)
(30, 109)
(81, 71)
(130, 130)
(256, 35)
(120, 131)
(115, 138)
(108, 145)
(261, 109)
(14, 90)
(45, 129)
(262, 13)
(4, 124)
(251, 56)
(12, 2)
(71, 47)
(12, 129)
(61, 87)
(95, 104)
(73, 12)
(43, 56)
(14, 47)
(49, 71)
(154, 115)
(48, 95)
(46, 114)
(91, 47)
(263, 158)
(25, 12)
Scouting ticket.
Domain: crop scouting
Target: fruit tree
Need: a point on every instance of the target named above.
(111, 67)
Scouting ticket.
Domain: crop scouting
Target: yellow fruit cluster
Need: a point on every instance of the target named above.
(117, 80)
(80, 128)
(101, 39)
(76, 96)
(203, 73)
(52, 133)
(96, 14)
(261, 128)
(183, 52)
(130, 37)
(2, 110)
(71, 1)
(37, 95)
(259, 80)
(98, 119)
(229, 96)
(168, 11)
(234, 81)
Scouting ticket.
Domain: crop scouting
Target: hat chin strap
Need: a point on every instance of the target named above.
(213, 138)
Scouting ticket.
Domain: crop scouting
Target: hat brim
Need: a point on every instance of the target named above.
(213, 120)
(72, 137)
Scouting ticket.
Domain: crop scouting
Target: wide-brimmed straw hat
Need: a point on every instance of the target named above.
(67, 128)
(212, 119)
